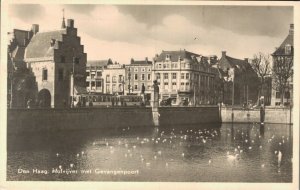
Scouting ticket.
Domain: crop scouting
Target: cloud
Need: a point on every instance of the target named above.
(27, 12)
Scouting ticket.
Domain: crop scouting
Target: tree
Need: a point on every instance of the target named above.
(261, 64)
(281, 73)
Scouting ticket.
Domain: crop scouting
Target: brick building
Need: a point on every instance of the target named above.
(246, 81)
(139, 73)
(52, 56)
(114, 79)
(94, 79)
(185, 77)
(285, 55)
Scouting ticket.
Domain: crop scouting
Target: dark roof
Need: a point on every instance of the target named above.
(143, 62)
(98, 62)
(174, 55)
(18, 53)
(288, 40)
(39, 45)
(20, 36)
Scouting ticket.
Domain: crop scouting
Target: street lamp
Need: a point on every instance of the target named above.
(11, 80)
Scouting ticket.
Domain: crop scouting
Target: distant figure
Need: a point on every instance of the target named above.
(113, 101)
(262, 114)
(29, 103)
(90, 103)
(143, 89)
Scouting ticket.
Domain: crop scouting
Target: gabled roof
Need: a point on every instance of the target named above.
(143, 62)
(288, 40)
(40, 46)
(174, 55)
(99, 63)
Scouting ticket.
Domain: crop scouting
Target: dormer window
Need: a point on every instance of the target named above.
(168, 57)
(288, 49)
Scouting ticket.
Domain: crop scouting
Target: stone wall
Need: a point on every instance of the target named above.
(28, 120)
(272, 115)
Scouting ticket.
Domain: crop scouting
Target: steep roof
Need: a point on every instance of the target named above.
(40, 46)
(99, 63)
(288, 40)
(174, 55)
(143, 62)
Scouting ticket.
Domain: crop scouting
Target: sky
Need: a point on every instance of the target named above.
(122, 32)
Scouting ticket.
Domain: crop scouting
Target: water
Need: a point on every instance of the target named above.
(183, 154)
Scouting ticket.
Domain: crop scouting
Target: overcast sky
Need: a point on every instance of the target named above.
(138, 31)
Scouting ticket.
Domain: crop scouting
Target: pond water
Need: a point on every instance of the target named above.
(226, 153)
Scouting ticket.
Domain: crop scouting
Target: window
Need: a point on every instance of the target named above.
(149, 77)
(166, 85)
(93, 75)
(165, 65)
(143, 69)
(107, 78)
(187, 75)
(166, 76)
(114, 79)
(136, 70)
(149, 69)
(143, 77)
(107, 88)
(87, 73)
(135, 87)
(174, 84)
(45, 74)
(135, 77)
(158, 76)
(87, 84)
(62, 59)
(182, 75)
(278, 94)
(99, 74)
(288, 49)
(120, 88)
(174, 76)
(120, 78)
(60, 74)
(114, 88)
(98, 83)
(159, 66)
(93, 83)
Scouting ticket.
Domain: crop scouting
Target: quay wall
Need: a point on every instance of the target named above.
(272, 115)
(29, 120)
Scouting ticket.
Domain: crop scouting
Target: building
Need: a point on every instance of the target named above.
(94, 79)
(139, 73)
(57, 60)
(185, 77)
(114, 79)
(21, 84)
(282, 82)
(245, 80)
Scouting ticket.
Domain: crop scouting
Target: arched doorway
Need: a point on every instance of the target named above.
(44, 98)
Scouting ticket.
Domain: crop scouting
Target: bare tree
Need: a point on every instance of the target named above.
(282, 72)
(261, 64)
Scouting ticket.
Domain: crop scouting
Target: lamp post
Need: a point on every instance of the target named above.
(11, 80)
(73, 81)
(129, 79)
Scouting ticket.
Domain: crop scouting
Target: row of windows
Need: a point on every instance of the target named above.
(94, 84)
(135, 69)
(142, 76)
(45, 74)
(94, 74)
(114, 88)
(114, 78)
(174, 75)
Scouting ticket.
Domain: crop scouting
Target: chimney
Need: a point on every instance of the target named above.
(246, 59)
(35, 28)
(70, 23)
(223, 53)
(146, 59)
(131, 61)
(291, 32)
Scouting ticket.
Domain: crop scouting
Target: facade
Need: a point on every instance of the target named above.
(139, 73)
(94, 79)
(57, 60)
(21, 84)
(283, 58)
(240, 73)
(114, 79)
(185, 77)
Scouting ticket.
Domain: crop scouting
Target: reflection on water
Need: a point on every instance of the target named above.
(230, 153)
